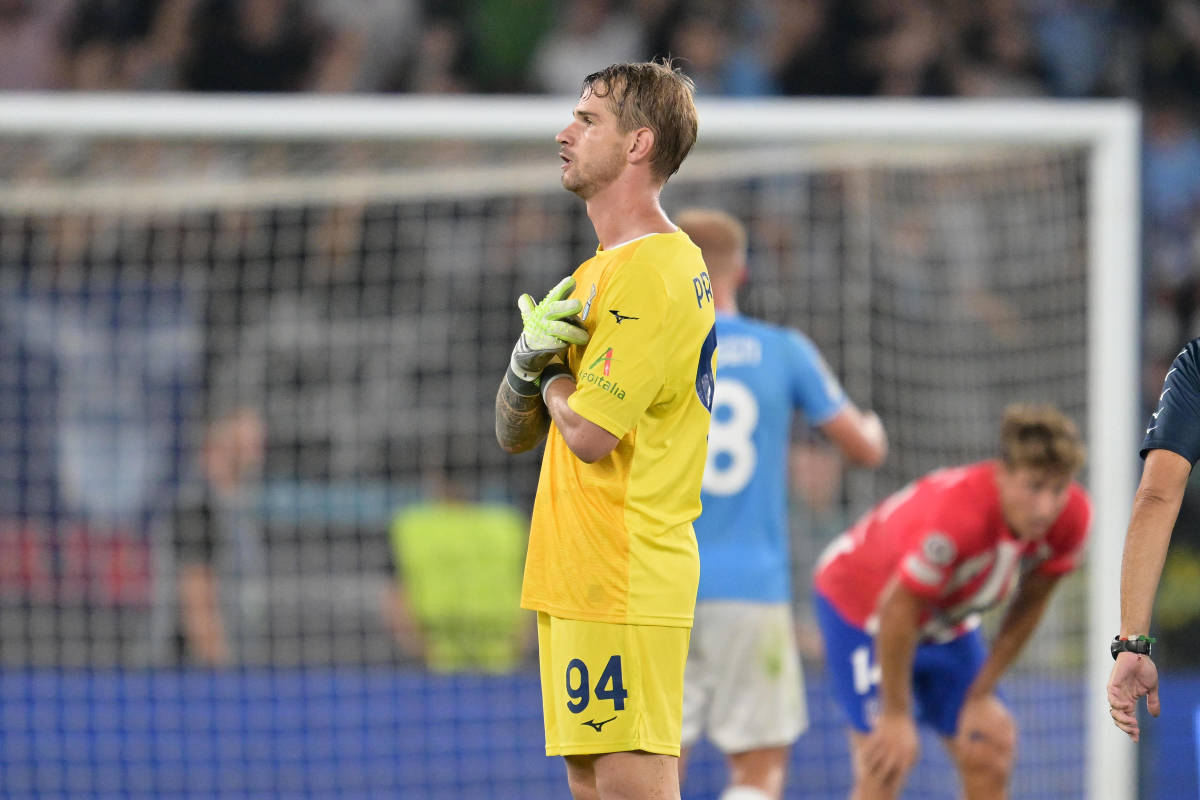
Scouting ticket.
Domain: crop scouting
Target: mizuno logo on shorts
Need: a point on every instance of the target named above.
(597, 725)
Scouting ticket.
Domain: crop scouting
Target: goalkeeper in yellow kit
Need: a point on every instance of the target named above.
(614, 367)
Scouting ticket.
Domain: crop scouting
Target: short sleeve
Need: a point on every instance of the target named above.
(815, 389)
(927, 566)
(622, 369)
(1175, 423)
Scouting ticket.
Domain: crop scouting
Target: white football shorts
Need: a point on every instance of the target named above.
(743, 686)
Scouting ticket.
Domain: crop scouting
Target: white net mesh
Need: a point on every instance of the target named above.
(225, 366)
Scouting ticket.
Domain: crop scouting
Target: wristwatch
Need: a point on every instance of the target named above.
(1137, 644)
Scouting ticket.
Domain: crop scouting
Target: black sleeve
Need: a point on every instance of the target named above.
(1175, 424)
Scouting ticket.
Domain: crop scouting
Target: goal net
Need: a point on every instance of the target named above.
(248, 357)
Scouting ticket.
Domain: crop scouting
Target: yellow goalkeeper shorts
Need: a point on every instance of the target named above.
(610, 688)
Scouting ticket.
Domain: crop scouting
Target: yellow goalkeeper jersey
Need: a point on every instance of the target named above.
(612, 541)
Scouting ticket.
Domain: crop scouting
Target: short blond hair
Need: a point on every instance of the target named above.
(1042, 438)
(721, 237)
(654, 95)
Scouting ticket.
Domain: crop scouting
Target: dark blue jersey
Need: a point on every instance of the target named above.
(1175, 424)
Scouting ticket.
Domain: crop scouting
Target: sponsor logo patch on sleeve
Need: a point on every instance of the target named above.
(938, 549)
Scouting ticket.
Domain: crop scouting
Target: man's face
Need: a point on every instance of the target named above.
(1031, 499)
(592, 147)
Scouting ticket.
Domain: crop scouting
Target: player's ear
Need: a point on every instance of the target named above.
(641, 146)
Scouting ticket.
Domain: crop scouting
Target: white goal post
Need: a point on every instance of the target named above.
(767, 131)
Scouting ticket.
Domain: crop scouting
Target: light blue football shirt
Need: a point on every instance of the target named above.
(764, 374)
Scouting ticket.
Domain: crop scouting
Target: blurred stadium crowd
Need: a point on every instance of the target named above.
(1148, 50)
(1064, 48)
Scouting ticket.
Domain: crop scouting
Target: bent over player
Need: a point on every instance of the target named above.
(612, 565)
(898, 598)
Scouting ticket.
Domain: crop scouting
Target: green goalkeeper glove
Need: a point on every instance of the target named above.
(550, 328)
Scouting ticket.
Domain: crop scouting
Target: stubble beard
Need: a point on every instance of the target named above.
(585, 184)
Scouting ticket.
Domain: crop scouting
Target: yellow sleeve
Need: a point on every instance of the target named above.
(622, 369)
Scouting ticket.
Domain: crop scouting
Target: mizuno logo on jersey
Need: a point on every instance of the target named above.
(619, 316)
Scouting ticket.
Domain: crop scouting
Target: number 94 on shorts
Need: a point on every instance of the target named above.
(610, 688)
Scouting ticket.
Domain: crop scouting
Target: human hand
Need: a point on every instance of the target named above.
(891, 749)
(550, 327)
(1133, 676)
